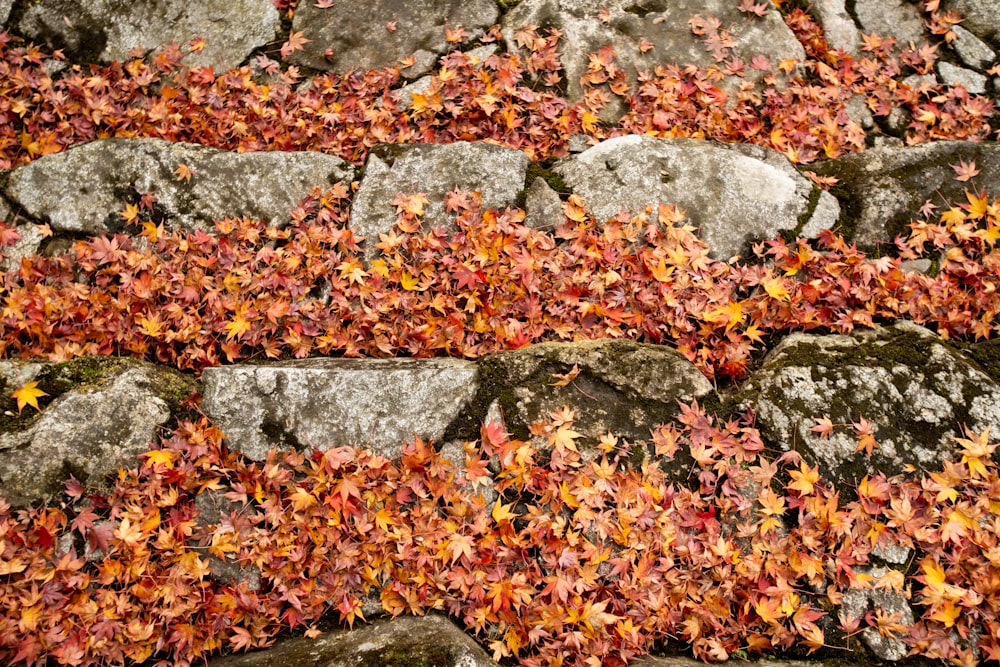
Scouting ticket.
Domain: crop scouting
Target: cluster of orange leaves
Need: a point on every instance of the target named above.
(580, 560)
(196, 299)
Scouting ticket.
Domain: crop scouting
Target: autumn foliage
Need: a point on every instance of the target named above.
(579, 560)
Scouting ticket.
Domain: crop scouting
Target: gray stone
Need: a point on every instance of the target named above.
(973, 51)
(838, 26)
(29, 243)
(214, 511)
(88, 431)
(981, 17)
(952, 75)
(427, 640)
(80, 189)
(353, 35)
(734, 193)
(623, 387)
(891, 18)
(107, 30)
(542, 205)
(322, 403)
(915, 389)
(663, 23)
(420, 87)
(858, 111)
(496, 172)
(881, 189)
(5, 7)
(857, 602)
(678, 661)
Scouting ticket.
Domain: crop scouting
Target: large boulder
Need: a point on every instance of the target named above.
(428, 640)
(98, 414)
(5, 7)
(914, 388)
(320, 403)
(733, 193)
(665, 24)
(433, 170)
(621, 387)
(882, 189)
(107, 30)
(378, 33)
(83, 189)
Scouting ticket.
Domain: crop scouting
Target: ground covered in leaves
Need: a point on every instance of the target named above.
(579, 562)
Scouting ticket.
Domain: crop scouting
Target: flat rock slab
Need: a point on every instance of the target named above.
(105, 412)
(107, 30)
(914, 388)
(622, 387)
(663, 23)
(427, 640)
(891, 18)
(354, 35)
(83, 189)
(882, 189)
(733, 193)
(321, 403)
(497, 173)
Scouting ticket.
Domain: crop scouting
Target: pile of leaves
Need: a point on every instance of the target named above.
(579, 561)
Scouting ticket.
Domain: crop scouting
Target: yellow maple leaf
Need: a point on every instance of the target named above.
(775, 289)
(803, 479)
(28, 394)
(501, 513)
(731, 314)
(237, 327)
(163, 457)
(302, 499)
(410, 283)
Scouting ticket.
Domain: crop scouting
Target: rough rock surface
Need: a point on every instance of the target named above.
(497, 173)
(81, 190)
(341, 35)
(857, 603)
(895, 18)
(838, 25)
(881, 189)
(5, 7)
(428, 640)
(663, 23)
(323, 403)
(103, 412)
(733, 193)
(913, 387)
(979, 16)
(622, 387)
(107, 30)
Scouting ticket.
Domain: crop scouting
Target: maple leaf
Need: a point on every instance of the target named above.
(803, 479)
(391, 26)
(976, 448)
(160, 457)
(502, 512)
(964, 170)
(296, 42)
(865, 431)
(324, 4)
(823, 427)
(184, 173)
(28, 394)
(238, 326)
(563, 379)
(455, 35)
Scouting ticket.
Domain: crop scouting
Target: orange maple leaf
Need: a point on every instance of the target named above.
(28, 394)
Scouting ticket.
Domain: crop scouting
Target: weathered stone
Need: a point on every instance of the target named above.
(733, 193)
(914, 388)
(357, 35)
(623, 387)
(857, 602)
(103, 412)
(5, 7)
(881, 189)
(973, 51)
(321, 403)
(952, 75)
(981, 17)
(427, 640)
(663, 23)
(678, 661)
(214, 515)
(891, 18)
(497, 173)
(83, 188)
(107, 30)
(542, 205)
(838, 26)
(29, 243)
